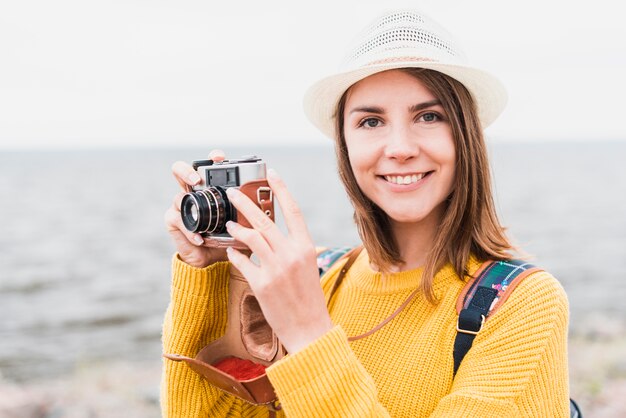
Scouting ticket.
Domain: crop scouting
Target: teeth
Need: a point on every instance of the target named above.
(405, 179)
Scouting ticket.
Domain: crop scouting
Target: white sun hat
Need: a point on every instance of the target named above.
(403, 39)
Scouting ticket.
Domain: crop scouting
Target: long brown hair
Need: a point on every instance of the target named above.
(469, 224)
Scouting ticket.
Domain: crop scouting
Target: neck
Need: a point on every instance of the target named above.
(415, 240)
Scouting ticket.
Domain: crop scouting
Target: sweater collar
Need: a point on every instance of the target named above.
(365, 278)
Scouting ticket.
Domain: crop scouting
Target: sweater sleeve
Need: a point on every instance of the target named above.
(517, 365)
(325, 379)
(195, 317)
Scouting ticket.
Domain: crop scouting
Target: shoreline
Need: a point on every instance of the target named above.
(128, 389)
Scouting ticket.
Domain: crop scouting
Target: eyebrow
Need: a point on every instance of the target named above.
(379, 110)
(425, 105)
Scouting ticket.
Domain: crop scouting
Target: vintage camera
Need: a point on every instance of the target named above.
(206, 208)
(248, 337)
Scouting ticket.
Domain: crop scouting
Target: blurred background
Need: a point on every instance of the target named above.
(98, 99)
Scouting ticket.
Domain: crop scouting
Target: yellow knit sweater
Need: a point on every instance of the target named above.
(517, 366)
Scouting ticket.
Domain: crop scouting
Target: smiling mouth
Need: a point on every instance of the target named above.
(408, 179)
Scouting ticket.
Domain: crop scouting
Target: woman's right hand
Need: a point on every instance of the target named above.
(192, 248)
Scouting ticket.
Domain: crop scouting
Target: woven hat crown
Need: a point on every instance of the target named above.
(403, 35)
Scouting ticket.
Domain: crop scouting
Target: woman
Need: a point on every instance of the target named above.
(407, 118)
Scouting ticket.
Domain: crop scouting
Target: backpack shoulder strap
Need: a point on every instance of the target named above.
(327, 257)
(483, 294)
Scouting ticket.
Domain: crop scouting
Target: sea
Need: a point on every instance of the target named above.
(85, 257)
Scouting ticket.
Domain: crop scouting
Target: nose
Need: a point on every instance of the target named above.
(401, 144)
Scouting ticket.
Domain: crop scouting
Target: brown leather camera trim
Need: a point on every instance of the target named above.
(262, 198)
(257, 337)
(256, 391)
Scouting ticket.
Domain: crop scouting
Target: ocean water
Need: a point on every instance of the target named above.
(85, 258)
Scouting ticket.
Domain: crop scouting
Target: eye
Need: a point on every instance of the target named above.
(369, 123)
(429, 117)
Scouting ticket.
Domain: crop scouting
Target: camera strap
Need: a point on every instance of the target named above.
(352, 256)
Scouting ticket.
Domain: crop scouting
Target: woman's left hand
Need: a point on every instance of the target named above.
(286, 281)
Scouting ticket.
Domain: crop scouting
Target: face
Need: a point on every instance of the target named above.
(400, 145)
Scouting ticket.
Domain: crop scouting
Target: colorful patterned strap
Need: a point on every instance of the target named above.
(482, 296)
(502, 276)
(326, 257)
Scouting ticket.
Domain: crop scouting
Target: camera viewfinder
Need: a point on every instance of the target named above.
(226, 177)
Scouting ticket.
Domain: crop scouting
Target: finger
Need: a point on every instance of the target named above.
(178, 200)
(242, 263)
(257, 218)
(290, 209)
(253, 240)
(178, 231)
(217, 155)
(211, 242)
(185, 174)
(183, 239)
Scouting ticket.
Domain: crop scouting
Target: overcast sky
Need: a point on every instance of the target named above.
(84, 73)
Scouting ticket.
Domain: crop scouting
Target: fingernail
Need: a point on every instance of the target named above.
(217, 155)
(232, 192)
(194, 177)
(229, 250)
(230, 225)
(198, 239)
(272, 174)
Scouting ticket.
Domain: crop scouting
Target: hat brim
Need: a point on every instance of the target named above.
(321, 99)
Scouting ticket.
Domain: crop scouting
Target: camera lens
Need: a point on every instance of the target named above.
(194, 213)
(206, 210)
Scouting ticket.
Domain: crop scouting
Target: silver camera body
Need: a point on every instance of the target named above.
(229, 173)
(205, 209)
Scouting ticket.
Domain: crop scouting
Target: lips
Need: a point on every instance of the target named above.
(406, 178)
